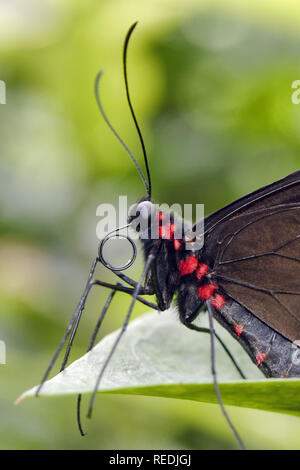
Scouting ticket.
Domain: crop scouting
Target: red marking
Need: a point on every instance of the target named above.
(205, 292)
(218, 301)
(172, 230)
(166, 231)
(201, 271)
(239, 329)
(260, 357)
(177, 244)
(188, 266)
(160, 216)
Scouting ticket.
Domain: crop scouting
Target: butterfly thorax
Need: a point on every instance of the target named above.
(178, 268)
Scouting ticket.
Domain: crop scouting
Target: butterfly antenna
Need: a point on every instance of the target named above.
(131, 29)
(99, 103)
(214, 374)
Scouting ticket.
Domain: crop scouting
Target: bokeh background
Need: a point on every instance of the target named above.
(211, 85)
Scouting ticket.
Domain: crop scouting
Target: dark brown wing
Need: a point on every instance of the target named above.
(257, 259)
(285, 190)
(253, 244)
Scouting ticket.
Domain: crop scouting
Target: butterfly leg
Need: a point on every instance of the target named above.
(191, 326)
(214, 374)
(75, 319)
(117, 287)
(131, 282)
(74, 322)
(92, 342)
(123, 329)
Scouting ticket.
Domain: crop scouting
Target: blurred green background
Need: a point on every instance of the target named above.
(211, 85)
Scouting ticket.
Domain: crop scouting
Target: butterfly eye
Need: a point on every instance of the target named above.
(141, 210)
(141, 217)
(145, 210)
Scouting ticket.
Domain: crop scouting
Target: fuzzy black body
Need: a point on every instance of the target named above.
(248, 270)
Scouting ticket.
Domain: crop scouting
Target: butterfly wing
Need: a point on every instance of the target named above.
(254, 247)
(285, 190)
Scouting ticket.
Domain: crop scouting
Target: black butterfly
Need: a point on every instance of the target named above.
(247, 274)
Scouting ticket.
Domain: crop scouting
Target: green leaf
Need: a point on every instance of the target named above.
(159, 357)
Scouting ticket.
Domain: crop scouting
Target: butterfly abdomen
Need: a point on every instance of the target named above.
(275, 355)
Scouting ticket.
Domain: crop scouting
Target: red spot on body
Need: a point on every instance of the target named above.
(172, 230)
(160, 216)
(177, 244)
(201, 271)
(218, 301)
(188, 266)
(260, 357)
(166, 231)
(239, 329)
(205, 292)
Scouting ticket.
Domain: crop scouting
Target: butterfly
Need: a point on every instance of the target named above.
(245, 274)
